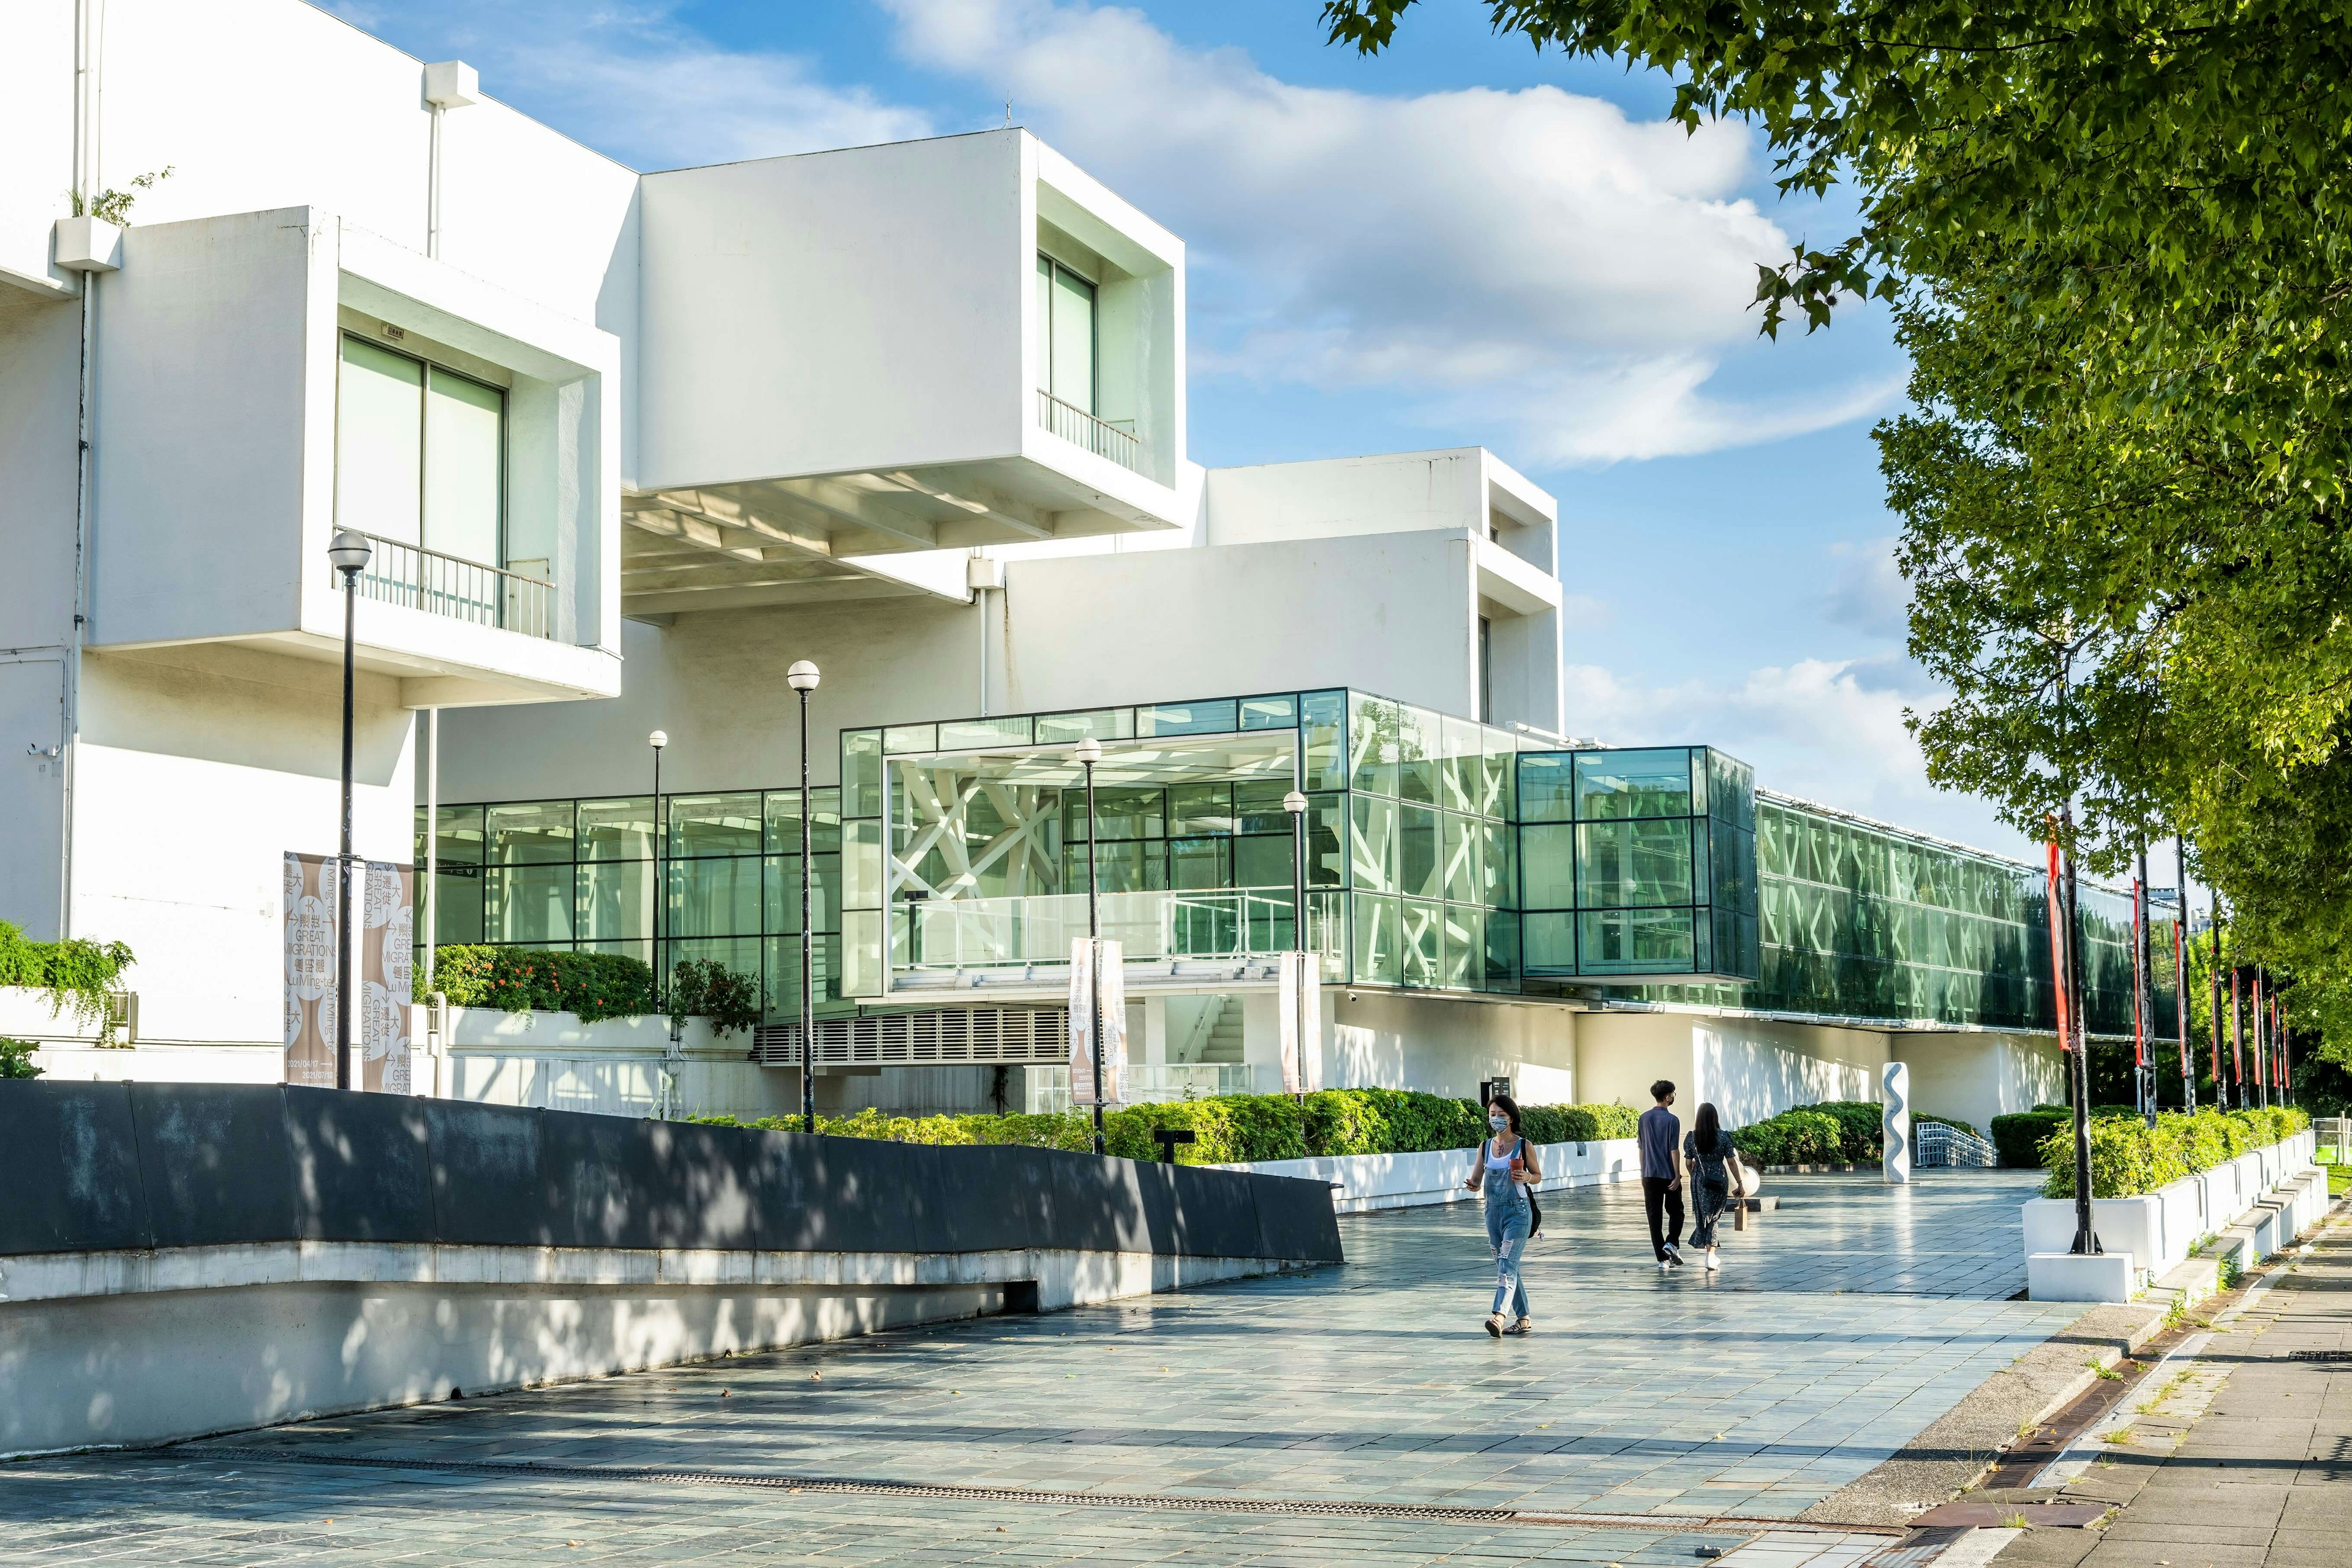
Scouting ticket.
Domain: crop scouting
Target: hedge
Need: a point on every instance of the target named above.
(2129, 1157)
(1231, 1128)
(2019, 1134)
(520, 979)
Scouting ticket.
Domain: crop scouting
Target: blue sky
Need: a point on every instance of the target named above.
(1460, 242)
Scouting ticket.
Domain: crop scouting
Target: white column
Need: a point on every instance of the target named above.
(1895, 1093)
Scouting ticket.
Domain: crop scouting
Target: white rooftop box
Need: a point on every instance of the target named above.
(922, 346)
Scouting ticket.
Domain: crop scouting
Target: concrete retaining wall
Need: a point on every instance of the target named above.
(177, 1260)
(2159, 1230)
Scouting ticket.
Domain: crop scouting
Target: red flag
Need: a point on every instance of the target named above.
(2058, 935)
(2180, 983)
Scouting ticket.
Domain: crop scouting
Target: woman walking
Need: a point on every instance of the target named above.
(1712, 1160)
(1506, 1172)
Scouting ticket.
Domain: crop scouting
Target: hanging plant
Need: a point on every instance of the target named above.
(77, 975)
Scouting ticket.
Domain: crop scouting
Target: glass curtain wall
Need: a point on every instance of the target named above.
(1860, 921)
(581, 875)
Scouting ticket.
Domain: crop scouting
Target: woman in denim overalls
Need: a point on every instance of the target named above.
(1505, 1171)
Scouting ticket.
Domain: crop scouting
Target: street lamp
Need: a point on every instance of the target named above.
(348, 552)
(657, 739)
(1295, 803)
(803, 678)
(1090, 753)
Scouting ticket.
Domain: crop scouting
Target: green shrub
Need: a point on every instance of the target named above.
(78, 974)
(1862, 1129)
(1809, 1135)
(16, 1058)
(706, 988)
(2019, 1135)
(520, 980)
(2129, 1157)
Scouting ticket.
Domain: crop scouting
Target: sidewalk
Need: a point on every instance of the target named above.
(2240, 1458)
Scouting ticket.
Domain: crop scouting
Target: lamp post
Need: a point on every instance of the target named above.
(1295, 803)
(1090, 753)
(2180, 971)
(349, 551)
(657, 739)
(803, 678)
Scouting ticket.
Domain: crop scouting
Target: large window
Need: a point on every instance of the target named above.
(1066, 334)
(420, 454)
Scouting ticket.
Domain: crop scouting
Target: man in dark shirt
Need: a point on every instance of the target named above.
(1661, 1137)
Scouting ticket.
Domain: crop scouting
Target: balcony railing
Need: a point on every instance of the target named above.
(1100, 436)
(1229, 923)
(440, 584)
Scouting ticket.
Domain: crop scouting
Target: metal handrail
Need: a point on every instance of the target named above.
(1036, 929)
(1100, 436)
(421, 579)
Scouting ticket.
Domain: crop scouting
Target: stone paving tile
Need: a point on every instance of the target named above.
(1841, 1326)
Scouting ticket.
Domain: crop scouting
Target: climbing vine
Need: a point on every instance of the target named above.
(77, 975)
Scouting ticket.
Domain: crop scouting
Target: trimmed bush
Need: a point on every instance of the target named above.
(2019, 1135)
(520, 980)
(1809, 1135)
(1234, 1128)
(2129, 1157)
(1862, 1129)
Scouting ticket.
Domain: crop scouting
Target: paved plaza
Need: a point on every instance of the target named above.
(1676, 1409)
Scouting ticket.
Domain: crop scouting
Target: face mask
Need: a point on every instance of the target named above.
(1498, 1122)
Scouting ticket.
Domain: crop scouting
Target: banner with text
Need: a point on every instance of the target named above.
(1091, 957)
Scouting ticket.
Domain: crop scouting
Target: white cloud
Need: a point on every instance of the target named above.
(1868, 593)
(1531, 260)
(645, 87)
(1830, 731)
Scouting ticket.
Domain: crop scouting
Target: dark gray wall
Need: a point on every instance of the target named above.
(99, 1166)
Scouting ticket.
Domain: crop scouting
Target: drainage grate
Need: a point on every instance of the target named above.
(1430, 1513)
(2319, 1355)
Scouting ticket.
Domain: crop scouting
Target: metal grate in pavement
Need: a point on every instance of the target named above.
(1431, 1513)
(2319, 1355)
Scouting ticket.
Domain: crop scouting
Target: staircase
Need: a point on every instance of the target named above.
(1224, 1042)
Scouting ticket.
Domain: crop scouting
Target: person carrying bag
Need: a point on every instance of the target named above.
(1506, 1172)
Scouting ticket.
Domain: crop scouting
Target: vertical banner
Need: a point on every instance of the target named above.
(2059, 937)
(310, 970)
(1097, 962)
(387, 919)
(1299, 1002)
(383, 914)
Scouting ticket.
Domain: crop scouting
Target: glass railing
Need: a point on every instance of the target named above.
(1048, 1089)
(1235, 923)
(420, 579)
(1100, 436)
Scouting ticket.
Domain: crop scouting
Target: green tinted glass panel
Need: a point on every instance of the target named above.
(1465, 764)
(1100, 724)
(978, 734)
(1217, 717)
(783, 832)
(1120, 812)
(461, 836)
(1502, 950)
(1326, 836)
(1550, 942)
(1420, 749)
(1547, 787)
(1420, 941)
(1121, 865)
(1372, 865)
(1270, 712)
(1624, 942)
(782, 962)
(1498, 875)
(861, 772)
(530, 833)
(1465, 855)
(459, 917)
(617, 900)
(736, 955)
(1614, 784)
(1379, 958)
(1419, 852)
(861, 953)
(1548, 865)
(714, 824)
(1373, 743)
(1465, 947)
(1262, 860)
(713, 898)
(1631, 865)
(1257, 807)
(1323, 723)
(781, 882)
(1698, 780)
(617, 829)
(1201, 808)
(1501, 796)
(528, 903)
(902, 738)
(861, 866)
(1197, 864)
